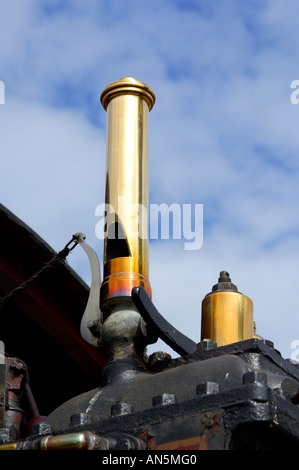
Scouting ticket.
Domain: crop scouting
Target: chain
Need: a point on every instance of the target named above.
(53, 261)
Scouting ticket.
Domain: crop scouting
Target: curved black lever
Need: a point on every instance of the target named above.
(172, 337)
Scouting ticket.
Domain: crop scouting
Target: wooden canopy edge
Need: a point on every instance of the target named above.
(57, 301)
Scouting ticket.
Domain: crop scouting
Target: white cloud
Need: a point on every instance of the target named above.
(53, 167)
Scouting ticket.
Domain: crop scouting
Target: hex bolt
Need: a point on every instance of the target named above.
(121, 408)
(78, 419)
(255, 377)
(207, 388)
(224, 283)
(40, 429)
(206, 345)
(164, 399)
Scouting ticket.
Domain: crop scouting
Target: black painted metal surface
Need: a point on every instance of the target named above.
(240, 396)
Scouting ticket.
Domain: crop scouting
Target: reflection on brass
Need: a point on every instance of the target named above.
(9, 446)
(227, 315)
(84, 440)
(126, 245)
(75, 441)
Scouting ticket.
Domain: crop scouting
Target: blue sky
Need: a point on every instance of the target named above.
(223, 133)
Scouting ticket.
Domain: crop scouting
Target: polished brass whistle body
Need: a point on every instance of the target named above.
(227, 314)
(126, 245)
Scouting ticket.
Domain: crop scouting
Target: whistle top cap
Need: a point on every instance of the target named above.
(127, 86)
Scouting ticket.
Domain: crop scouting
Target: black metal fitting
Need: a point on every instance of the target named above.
(255, 377)
(128, 442)
(224, 283)
(164, 399)
(78, 419)
(207, 388)
(40, 429)
(95, 328)
(206, 345)
(158, 361)
(121, 408)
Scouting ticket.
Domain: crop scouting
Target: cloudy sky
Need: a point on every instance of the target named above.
(223, 133)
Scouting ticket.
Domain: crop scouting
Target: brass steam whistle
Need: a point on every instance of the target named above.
(126, 246)
(227, 314)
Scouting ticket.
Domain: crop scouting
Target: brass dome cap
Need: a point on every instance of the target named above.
(128, 85)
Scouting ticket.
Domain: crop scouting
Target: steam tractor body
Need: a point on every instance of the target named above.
(78, 354)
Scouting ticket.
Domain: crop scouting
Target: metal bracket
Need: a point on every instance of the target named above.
(159, 326)
(92, 315)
